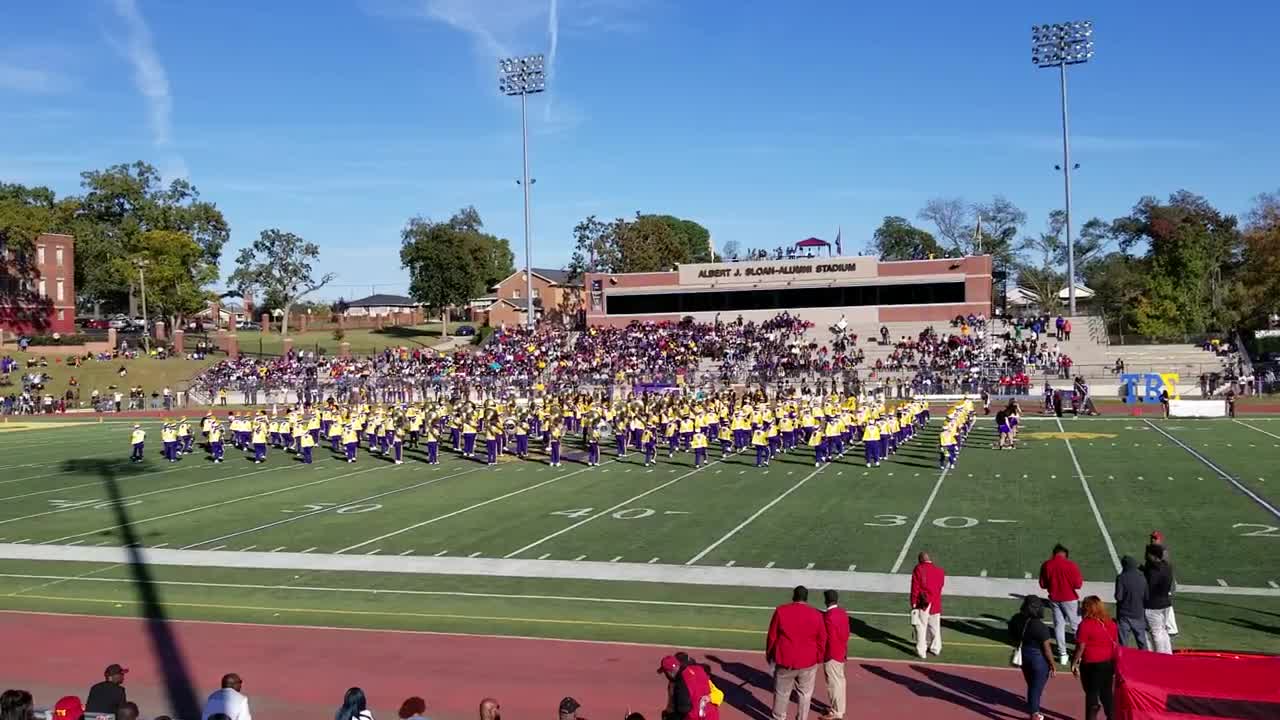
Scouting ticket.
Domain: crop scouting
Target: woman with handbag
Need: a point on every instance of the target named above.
(1095, 659)
(1033, 653)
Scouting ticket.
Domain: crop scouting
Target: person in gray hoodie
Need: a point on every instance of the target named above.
(1131, 598)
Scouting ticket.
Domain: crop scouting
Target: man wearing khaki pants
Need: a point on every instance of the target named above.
(927, 580)
(837, 651)
(795, 646)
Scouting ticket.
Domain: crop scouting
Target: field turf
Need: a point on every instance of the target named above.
(1097, 485)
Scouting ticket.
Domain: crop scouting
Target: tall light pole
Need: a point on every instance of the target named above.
(1059, 45)
(142, 282)
(524, 76)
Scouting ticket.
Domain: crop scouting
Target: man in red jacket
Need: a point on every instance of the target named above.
(836, 621)
(795, 646)
(927, 580)
(1061, 577)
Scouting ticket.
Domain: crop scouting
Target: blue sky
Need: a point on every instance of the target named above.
(767, 122)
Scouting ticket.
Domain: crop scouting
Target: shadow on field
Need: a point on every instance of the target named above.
(978, 691)
(177, 680)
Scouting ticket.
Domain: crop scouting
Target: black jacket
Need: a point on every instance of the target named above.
(105, 697)
(1159, 585)
(1131, 590)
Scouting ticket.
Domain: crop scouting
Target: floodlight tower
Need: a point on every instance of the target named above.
(1059, 45)
(524, 77)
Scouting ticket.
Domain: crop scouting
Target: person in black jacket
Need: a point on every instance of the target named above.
(1159, 604)
(1131, 596)
(1028, 631)
(108, 696)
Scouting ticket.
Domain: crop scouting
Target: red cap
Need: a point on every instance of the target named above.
(1157, 536)
(68, 708)
(669, 664)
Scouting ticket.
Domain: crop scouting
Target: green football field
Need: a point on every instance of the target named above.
(670, 554)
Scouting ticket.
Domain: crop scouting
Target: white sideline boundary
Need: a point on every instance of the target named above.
(1221, 473)
(736, 576)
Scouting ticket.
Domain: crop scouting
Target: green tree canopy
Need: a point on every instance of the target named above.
(453, 262)
(279, 266)
(646, 243)
(898, 239)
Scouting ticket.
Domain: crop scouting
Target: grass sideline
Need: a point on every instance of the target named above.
(998, 513)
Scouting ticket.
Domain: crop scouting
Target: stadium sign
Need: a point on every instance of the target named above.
(754, 272)
(1152, 384)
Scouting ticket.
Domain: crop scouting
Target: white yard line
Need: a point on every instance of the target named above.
(1264, 432)
(139, 495)
(335, 508)
(1225, 476)
(65, 472)
(606, 511)
(911, 537)
(449, 593)
(1093, 504)
(210, 506)
(468, 508)
(756, 514)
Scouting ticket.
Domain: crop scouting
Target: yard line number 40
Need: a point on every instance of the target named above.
(634, 513)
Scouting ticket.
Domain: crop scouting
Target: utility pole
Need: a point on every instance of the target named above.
(146, 326)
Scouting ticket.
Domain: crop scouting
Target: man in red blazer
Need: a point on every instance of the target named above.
(837, 652)
(927, 580)
(795, 646)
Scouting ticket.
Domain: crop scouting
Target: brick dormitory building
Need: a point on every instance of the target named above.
(38, 289)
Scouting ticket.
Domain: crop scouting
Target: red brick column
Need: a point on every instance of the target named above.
(179, 341)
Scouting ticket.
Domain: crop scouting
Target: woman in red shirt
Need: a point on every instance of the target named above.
(1095, 658)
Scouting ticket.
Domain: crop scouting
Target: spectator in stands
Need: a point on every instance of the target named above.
(107, 696)
(1095, 658)
(354, 706)
(1034, 654)
(413, 708)
(228, 700)
(490, 709)
(927, 581)
(68, 708)
(17, 705)
(1131, 596)
(1060, 575)
(795, 646)
(837, 651)
(1159, 605)
(127, 711)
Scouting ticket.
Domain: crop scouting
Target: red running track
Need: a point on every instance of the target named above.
(294, 672)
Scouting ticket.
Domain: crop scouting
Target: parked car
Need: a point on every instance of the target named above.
(91, 324)
(248, 325)
(464, 331)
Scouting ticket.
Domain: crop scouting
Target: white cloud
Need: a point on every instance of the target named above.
(152, 81)
(31, 80)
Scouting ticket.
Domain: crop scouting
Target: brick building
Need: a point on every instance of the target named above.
(555, 298)
(38, 291)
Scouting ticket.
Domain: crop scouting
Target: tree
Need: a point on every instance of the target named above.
(1194, 254)
(452, 262)
(1043, 285)
(122, 203)
(694, 237)
(25, 212)
(951, 217)
(177, 274)
(730, 250)
(647, 243)
(1117, 281)
(897, 239)
(279, 266)
(1261, 264)
(997, 224)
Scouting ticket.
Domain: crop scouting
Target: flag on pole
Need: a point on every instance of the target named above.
(839, 251)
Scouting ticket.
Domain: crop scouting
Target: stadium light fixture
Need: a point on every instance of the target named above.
(1059, 45)
(524, 76)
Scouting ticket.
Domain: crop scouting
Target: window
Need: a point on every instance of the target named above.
(62, 315)
(57, 255)
(535, 293)
(44, 291)
(39, 254)
(515, 294)
(60, 295)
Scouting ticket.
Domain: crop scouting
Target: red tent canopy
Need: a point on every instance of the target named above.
(1150, 686)
(812, 242)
